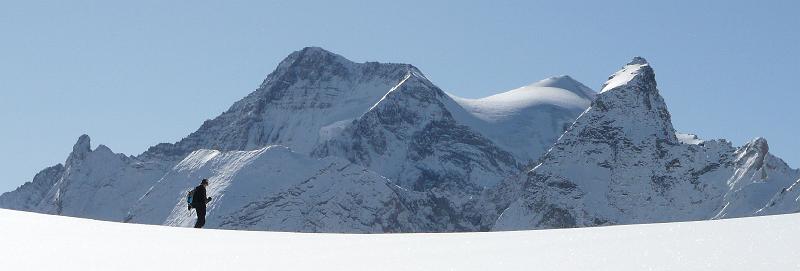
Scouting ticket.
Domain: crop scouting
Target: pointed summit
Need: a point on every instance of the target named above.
(637, 74)
(630, 98)
(753, 153)
(83, 144)
(638, 60)
(81, 147)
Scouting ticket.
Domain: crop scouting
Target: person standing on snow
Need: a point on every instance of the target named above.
(199, 201)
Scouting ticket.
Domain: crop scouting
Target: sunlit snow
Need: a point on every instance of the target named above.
(45, 242)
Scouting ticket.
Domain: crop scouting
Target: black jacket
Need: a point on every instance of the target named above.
(199, 198)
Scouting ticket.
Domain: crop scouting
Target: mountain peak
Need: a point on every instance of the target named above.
(83, 145)
(316, 49)
(637, 60)
(555, 81)
(311, 58)
(568, 83)
(81, 148)
(758, 147)
(630, 99)
(317, 53)
(637, 73)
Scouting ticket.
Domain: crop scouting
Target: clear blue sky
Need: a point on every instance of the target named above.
(133, 74)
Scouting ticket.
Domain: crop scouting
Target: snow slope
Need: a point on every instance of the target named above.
(527, 120)
(274, 188)
(33, 241)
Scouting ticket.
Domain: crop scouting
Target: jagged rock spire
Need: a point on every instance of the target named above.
(81, 148)
(638, 60)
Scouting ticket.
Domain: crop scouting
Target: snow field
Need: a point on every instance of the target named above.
(31, 241)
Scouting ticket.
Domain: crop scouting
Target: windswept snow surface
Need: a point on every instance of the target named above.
(505, 105)
(526, 120)
(33, 241)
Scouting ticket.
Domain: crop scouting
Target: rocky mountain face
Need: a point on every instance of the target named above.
(328, 145)
(310, 96)
(622, 162)
(411, 137)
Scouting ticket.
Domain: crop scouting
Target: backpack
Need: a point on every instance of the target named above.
(189, 198)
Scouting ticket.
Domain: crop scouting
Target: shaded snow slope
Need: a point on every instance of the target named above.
(759, 243)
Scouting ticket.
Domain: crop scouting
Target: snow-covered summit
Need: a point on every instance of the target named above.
(630, 101)
(309, 90)
(566, 82)
(637, 70)
(554, 91)
(622, 162)
(525, 119)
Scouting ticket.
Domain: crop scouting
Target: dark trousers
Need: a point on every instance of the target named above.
(201, 217)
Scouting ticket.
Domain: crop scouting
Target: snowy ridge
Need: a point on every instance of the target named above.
(505, 105)
(566, 82)
(329, 145)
